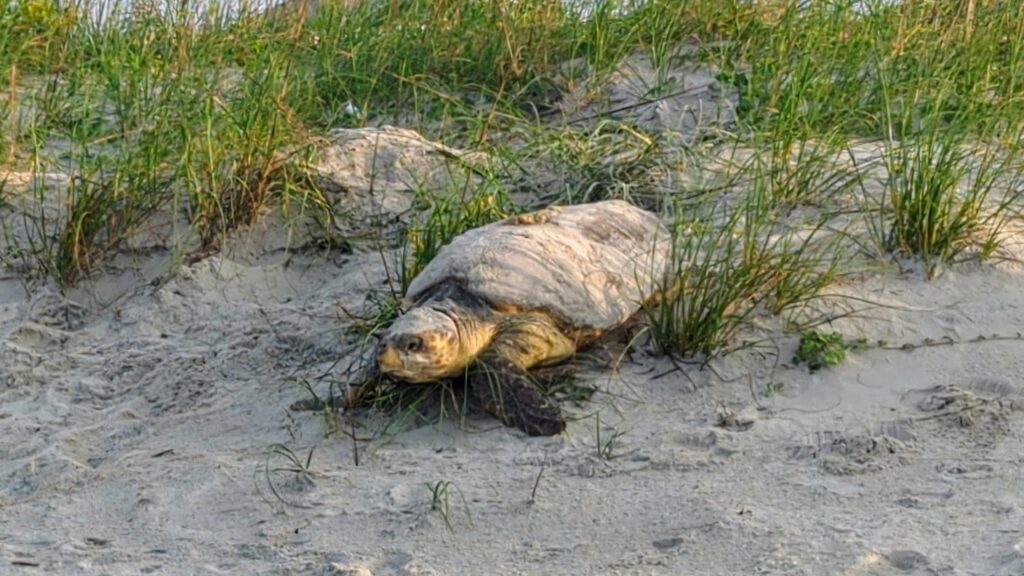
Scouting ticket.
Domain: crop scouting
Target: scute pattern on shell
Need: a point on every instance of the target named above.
(592, 265)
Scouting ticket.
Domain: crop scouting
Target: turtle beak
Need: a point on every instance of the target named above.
(389, 360)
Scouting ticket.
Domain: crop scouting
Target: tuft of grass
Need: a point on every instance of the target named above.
(951, 185)
(300, 468)
(440, 501)
(328, 406)
(945, 199)
(145, 115)
(407, 405)
(799, 168)
(606, 446)
(611, 160)
(448, 217)
(727, 264)
(34, 31)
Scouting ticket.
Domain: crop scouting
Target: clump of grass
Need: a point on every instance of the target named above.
(408, 405)
(107, 201)
(727, 264)
(610, 160)
(233, 187)
(440, 501)
(33, 33)
(823, 65)
(951, 185)
(946, 200)
(31, 36)
(428, 56)
(199, 109)
(799, 168)
(146, 116)
(449, 216)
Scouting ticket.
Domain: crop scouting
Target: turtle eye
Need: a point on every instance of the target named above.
(414, 344)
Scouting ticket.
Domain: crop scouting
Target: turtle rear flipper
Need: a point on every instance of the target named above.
(510, 396)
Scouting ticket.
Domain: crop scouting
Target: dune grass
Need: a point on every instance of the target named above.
(730, 263)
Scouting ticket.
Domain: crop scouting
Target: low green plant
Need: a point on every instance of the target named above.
(798, 167)
(951, 183)
(328, 406)
(821, 349)
(146, 117)
(208, 104)
(406, 404)
(109, 198)
(32, 33)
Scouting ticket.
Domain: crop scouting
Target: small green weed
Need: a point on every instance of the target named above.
(327, 406)
(440, 501)
(300, 468)
(821, 349)
(773, 388)
(606, 446)
(536, 485)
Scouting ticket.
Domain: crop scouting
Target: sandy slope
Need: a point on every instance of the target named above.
(133, 435)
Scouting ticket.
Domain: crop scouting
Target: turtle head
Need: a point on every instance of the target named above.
(421, 345)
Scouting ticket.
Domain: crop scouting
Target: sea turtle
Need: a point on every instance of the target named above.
(524, 292)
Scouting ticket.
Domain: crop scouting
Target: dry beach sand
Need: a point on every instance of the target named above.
(137, 410)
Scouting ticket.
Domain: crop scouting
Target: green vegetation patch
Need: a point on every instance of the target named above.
(819, 350)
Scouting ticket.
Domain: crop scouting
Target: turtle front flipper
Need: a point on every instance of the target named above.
(499, 381)
(507, 393)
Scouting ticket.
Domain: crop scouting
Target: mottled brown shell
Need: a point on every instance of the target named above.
(589, 265)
